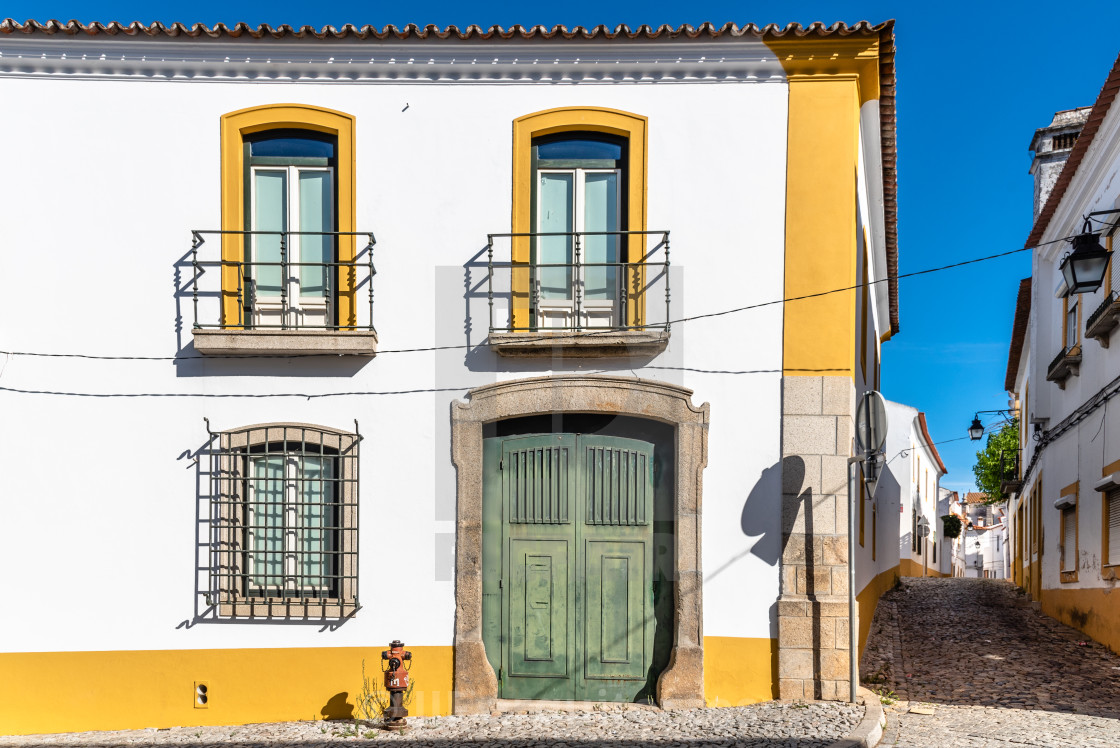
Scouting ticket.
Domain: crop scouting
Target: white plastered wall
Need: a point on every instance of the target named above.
(102, 184)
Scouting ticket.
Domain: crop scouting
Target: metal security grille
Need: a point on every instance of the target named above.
(284, 522)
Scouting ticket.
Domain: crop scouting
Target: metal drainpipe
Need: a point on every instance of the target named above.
(853, 644)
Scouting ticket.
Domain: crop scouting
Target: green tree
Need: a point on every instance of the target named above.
(987, 467)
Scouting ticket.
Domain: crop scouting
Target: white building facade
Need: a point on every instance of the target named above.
(1064, 512)
(371, 335)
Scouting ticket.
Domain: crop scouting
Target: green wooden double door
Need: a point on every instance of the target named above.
(575, 590)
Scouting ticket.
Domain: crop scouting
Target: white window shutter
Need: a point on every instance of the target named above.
(1069, 539)
(1114, 526)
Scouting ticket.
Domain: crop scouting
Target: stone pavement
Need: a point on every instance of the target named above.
(988, 671)
(766, 725)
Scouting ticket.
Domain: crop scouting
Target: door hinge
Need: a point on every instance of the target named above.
(500, 583)
(499, 673)
(501, 464)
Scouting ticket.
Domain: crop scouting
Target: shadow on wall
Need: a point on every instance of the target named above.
(761, 509)
(338, 708)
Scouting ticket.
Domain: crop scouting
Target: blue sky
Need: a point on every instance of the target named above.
(974, 82)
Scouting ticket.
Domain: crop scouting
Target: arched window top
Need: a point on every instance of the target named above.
(580, 146)
(291, 143)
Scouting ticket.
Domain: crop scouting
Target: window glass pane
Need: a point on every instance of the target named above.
(313, 518)
(315, 214)
(555, 199)
(289, 144)
(600, 213)
(1071, 325)
(266, 523)
(580, 147)
(270, 201)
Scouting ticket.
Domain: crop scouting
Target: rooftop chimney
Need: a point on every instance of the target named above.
(1051, 146)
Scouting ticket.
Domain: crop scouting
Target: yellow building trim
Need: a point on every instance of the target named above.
(78, 691)
(234, 127)
(1095, 611)
(739, 671)
(635, 129)
(820, 254)
(868, 600)
(829, 80)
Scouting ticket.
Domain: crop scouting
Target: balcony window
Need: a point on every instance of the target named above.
(582, 272)
(282, 274)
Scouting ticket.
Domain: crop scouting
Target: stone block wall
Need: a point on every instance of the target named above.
(817, 432)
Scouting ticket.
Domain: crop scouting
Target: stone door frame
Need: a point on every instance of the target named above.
(681, 684)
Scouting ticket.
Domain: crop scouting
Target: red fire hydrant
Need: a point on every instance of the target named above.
(396, 683)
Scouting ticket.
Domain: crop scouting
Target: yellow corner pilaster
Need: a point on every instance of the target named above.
(829, 80)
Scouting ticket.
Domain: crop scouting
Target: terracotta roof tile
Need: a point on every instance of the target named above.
(975, 497)
(1018, 333)
(390, 32)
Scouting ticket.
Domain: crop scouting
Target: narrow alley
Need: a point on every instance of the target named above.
(968, 663)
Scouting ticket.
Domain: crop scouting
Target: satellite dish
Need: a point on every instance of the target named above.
(871, 422)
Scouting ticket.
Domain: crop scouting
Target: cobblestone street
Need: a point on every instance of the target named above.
(766, 725)
(971, 665)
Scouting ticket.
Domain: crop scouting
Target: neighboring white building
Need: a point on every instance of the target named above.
(984, 540)
(1062, 369)
(913, 491)
(246, 445)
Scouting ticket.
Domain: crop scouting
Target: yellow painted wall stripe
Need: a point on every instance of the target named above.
(868, 600)
(45, 692)
(78, 691)
(739, 671)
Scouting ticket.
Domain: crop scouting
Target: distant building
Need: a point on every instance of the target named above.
(1064, 508)
(984, 537)
(915, 470)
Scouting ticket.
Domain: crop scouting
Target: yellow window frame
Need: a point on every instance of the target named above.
(634, 128)
(235, 126)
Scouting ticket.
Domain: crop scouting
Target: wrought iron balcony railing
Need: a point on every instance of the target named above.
(1066, 363)
(588, 281)
(1103, 319)
(292, 281)
(1009, 464)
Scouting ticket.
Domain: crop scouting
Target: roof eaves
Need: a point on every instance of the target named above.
(888, 134)
(1018, 334)
(929, 443)
(413, 31)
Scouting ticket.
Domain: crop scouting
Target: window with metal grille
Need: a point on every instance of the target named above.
(284, 522)
(1069, 539)
(1113, 554)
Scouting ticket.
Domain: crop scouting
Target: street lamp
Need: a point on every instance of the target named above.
(1084, 267)
(976, 430)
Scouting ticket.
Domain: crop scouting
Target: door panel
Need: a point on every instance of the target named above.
(538, 609)
(577, 539)
(617, 611)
